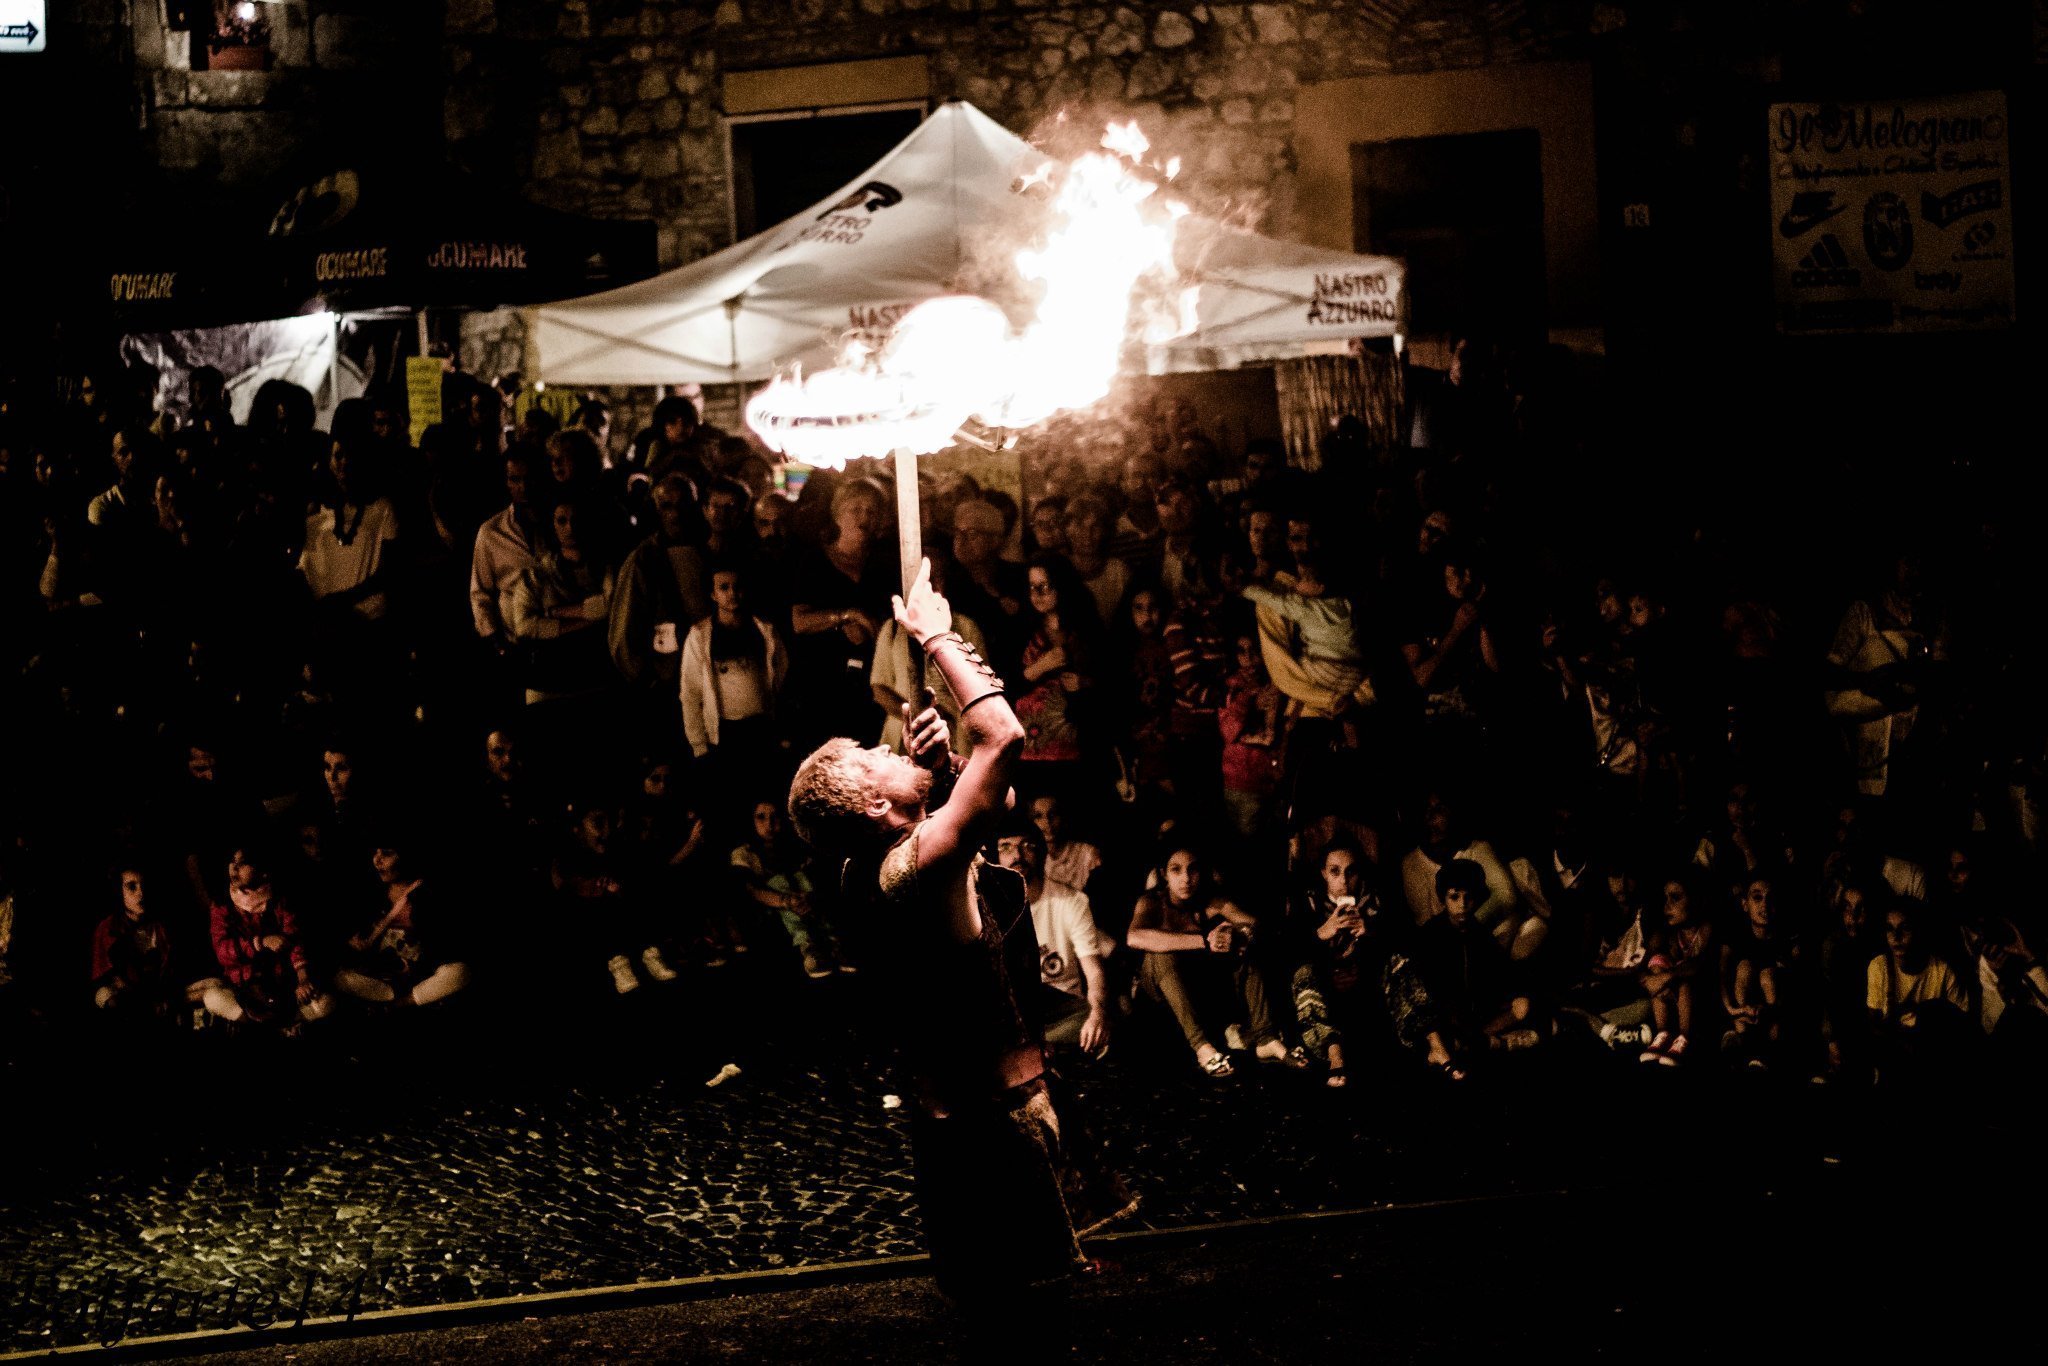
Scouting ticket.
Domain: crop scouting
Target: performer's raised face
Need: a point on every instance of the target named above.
(843, 794)
(895, 779)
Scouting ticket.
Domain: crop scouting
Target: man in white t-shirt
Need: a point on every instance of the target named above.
(1071, 948)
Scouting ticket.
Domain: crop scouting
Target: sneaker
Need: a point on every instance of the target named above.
(657, 967)
(1615, 1036)
(1516, 1040)
(1674, 1053)
(1233, 1038)
(623, 980)
(1654, 1050)
(815, 966)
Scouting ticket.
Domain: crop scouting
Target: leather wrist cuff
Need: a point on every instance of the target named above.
(966, 672)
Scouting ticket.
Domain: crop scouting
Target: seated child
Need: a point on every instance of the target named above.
(775, 872)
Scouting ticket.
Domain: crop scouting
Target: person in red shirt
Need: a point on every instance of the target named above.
(1252, 731)
(131, 956)
(265, 976)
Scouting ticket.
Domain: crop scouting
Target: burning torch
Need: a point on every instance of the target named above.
(957, 359)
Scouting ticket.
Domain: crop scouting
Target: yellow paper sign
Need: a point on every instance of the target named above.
(423, 392)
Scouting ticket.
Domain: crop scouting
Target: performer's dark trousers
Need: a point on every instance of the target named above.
(994, 1219)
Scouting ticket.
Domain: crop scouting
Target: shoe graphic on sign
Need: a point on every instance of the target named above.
(1810, 209)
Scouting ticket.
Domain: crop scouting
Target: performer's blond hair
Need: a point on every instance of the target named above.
(828, 799)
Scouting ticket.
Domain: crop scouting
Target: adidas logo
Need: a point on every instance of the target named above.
(1826, 267)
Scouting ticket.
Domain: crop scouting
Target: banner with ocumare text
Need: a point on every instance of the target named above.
(1892, 217)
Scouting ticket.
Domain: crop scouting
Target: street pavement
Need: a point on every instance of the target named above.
(229, 1179)
(1568, 1279)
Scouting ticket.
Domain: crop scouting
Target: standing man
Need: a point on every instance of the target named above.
(664, 589)
(122, 508)
(348, 559)
(507, 545)
(984, 1137)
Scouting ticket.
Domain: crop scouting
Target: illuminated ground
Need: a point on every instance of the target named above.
(1733, 1276)
(557, 1158)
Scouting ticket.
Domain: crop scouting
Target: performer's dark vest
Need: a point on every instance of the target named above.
(963, 1033)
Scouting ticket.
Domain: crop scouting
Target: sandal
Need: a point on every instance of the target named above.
(1336, 1080)
(1449, 1067)
(1295, 1059)
(1220, 1066)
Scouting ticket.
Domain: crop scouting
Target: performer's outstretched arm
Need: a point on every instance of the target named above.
(958, 828)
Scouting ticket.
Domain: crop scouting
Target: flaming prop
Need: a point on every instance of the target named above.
(1104, 269)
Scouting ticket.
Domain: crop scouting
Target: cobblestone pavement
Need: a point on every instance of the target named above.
(1780, 1278)
(548, 1162)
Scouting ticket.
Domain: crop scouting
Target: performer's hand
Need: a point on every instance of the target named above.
(926, 737)
(925, 613)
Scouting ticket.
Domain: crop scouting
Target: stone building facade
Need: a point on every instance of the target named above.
(615, 105)
(1649, 114)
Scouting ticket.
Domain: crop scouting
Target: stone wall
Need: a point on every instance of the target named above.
(345, 80)
(613, 106)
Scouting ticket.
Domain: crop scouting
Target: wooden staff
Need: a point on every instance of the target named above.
(910, 552)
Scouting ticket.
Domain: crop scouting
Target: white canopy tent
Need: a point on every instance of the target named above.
(901, 233)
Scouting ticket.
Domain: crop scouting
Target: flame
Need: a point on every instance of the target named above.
(956, 358)
(1126, 140)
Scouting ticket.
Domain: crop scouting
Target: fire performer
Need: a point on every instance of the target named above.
(984, 1137)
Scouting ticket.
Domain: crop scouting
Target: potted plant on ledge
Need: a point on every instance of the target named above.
(241, 37)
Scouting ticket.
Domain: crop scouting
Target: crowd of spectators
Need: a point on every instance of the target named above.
(1391, 764)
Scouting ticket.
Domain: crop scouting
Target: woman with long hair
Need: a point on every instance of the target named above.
(839, 590)
(1059, 664)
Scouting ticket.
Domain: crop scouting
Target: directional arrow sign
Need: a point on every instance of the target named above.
(21, 25)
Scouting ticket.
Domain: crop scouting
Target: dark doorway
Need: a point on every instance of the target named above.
(782, 166)
(1465, 212)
